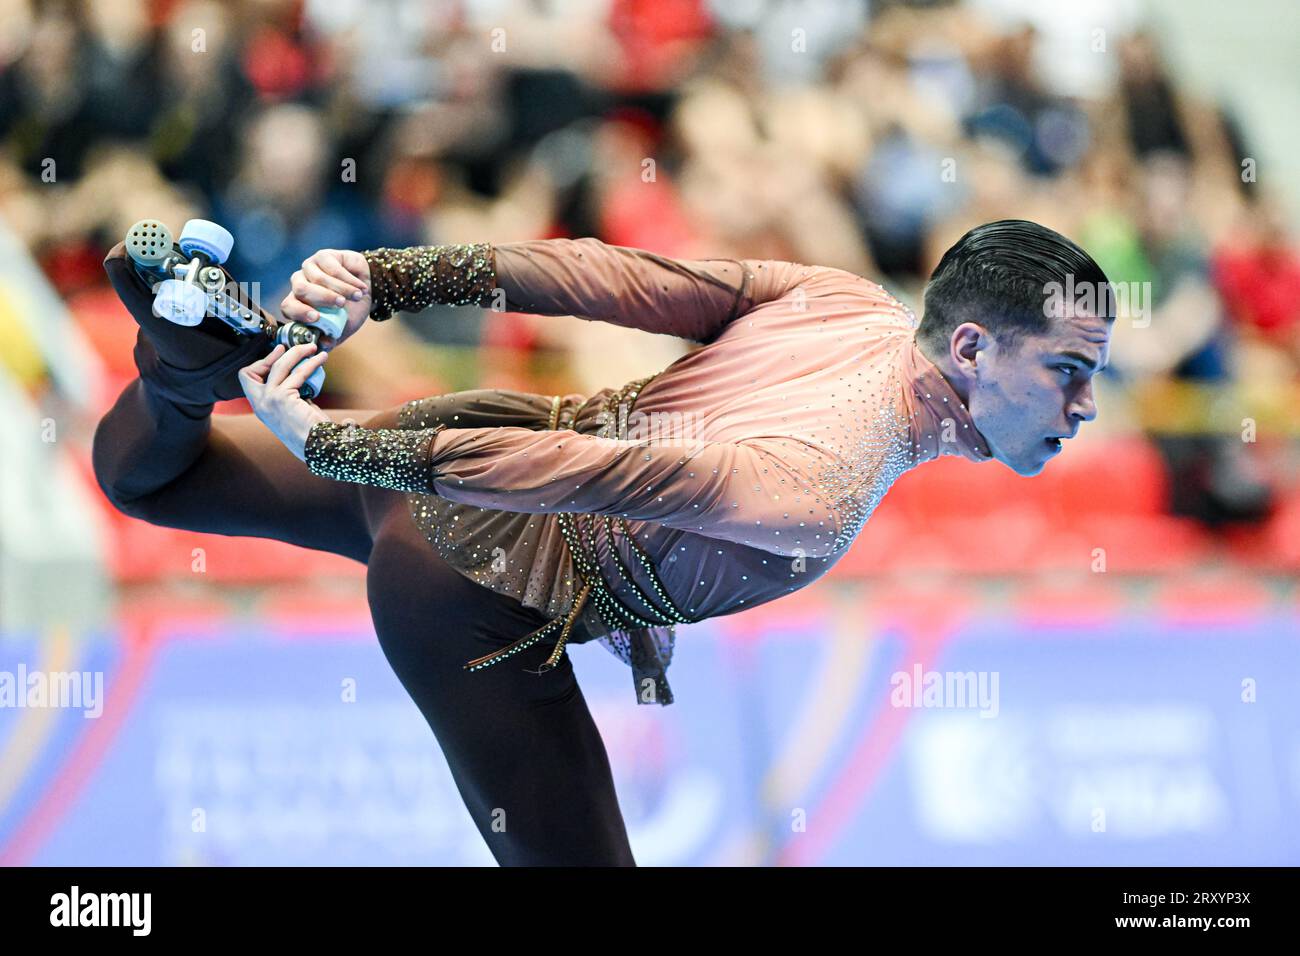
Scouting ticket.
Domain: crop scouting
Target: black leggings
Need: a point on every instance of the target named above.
(523, 749)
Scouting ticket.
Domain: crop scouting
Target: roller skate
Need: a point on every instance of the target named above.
(190, 285)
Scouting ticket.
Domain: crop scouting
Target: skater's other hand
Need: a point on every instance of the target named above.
(330, 277)
(272, 384)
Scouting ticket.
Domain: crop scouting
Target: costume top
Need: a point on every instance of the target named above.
(741, 472)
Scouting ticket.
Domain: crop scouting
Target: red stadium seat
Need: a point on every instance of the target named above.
(955, 515)
(1149, 544)
(1280, 537)
(1106, 479)
(105, 322)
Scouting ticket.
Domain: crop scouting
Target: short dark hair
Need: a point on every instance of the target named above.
(1000, 275)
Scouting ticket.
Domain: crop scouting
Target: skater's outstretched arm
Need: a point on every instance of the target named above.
(689, 298)
(759, 492)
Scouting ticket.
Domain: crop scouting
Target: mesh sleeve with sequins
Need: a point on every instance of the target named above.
(689, 298)
(385, 457)
(754, 492)
(414, 278)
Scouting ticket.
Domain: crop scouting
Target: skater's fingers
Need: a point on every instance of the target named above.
(303, 370)
(257, 371)
(295, 310)
(284, 364)
(248, 382)
(331, 262)
(356, 265)
(312, 294)
(343, 290)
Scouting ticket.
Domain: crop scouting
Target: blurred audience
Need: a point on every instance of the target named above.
(862, 136)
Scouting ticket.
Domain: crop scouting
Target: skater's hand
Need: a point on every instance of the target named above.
(271, 385)
(331, 277)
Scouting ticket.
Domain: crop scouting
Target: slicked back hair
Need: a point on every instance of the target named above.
(1002, 275)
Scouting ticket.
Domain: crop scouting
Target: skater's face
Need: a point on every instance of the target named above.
(1022, 399)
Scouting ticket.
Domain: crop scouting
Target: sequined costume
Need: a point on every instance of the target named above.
(743, 473)
(514, 744)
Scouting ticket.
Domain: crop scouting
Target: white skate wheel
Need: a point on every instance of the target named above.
(148, 243)
(201, 235)
(332, 321)
(180, 302)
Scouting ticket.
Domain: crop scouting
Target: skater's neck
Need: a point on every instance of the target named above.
(943, 365)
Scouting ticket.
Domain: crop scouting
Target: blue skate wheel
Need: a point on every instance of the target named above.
(201, 235)
(180, 302)
(148, 243)
(332, 321)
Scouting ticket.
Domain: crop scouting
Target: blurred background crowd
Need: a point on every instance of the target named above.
(862, 134)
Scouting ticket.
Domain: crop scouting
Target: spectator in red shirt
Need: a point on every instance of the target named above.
(1259, 279)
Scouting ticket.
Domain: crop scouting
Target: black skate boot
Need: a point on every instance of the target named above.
(198, 325)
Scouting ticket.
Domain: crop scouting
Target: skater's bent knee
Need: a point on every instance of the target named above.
(110, 465)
